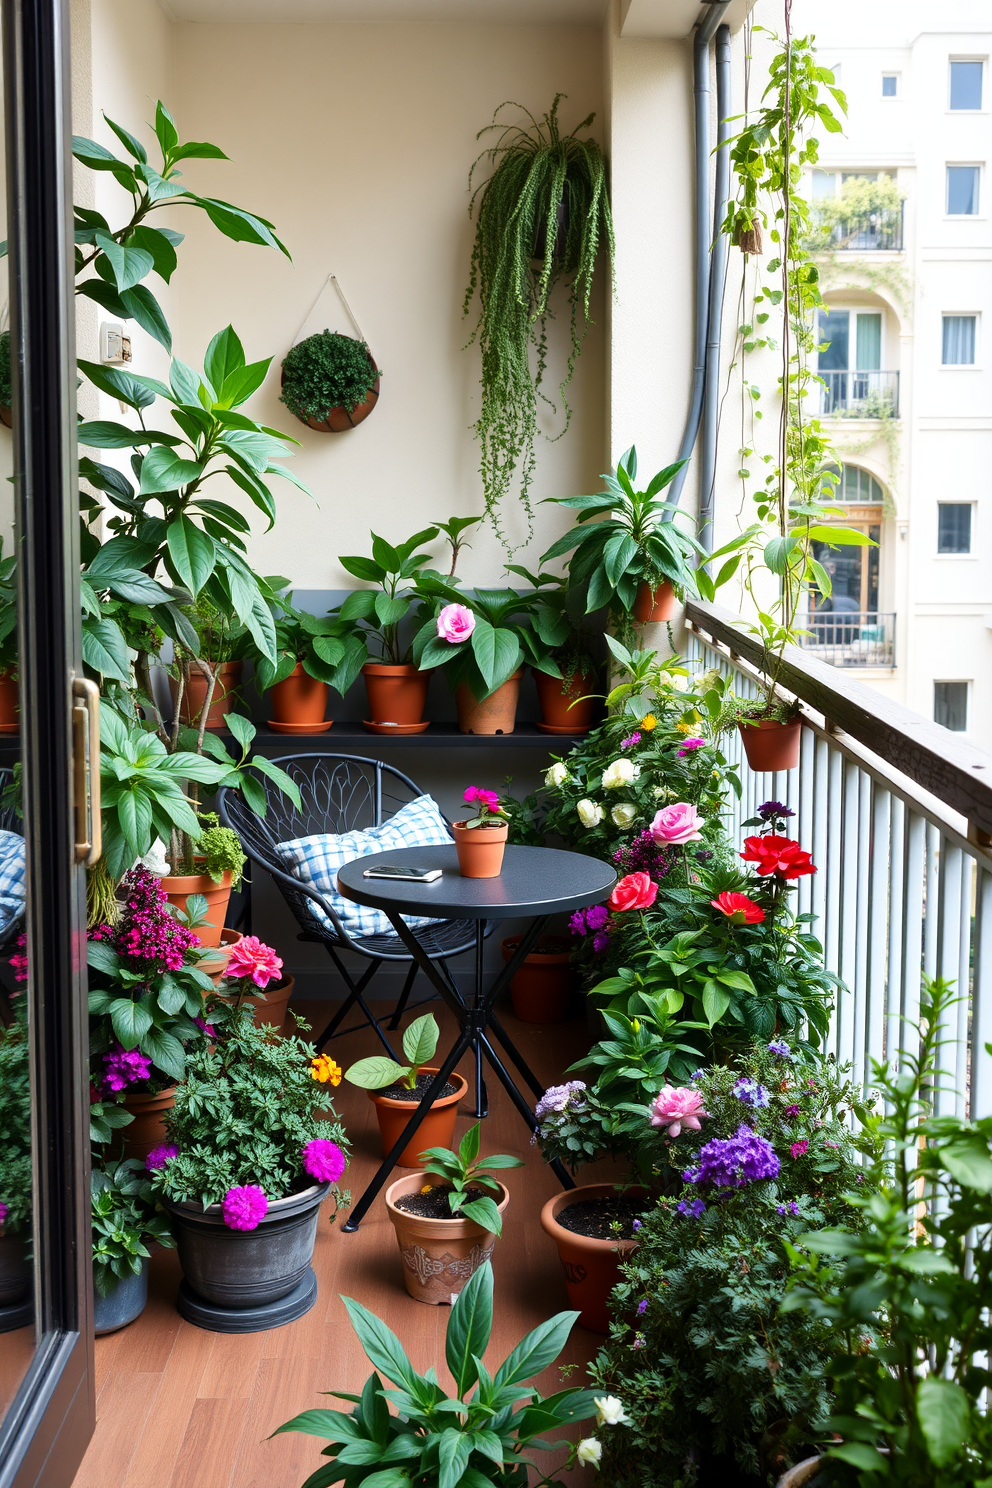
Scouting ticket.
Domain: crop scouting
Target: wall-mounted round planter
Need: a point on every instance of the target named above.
(339, 419)
(495, 714)
(122, 1305)
(436, 1130)
(771, 745)
(803, 1475)
(652, 606)
(439, 1255)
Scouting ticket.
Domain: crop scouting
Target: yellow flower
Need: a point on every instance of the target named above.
(427, 1188)
(686, 728)
(649, 722)
(324, 1069)
(636, 1025)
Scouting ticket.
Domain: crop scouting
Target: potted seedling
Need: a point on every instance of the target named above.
(481, 839)
(395, 1091)
(330, 381)
(447, 1230)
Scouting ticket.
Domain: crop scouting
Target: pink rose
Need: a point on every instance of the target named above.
(455, 623)
(677, 824)
(636, 891)
(481, 797)
(249, 957)
(677, 1106)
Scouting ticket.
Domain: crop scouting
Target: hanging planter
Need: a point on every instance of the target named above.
(330, 382)
(770, 744)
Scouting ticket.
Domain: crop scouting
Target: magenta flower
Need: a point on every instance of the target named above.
(4, 1211)
(148, 932)
(244, 1208)
(792, 1110)
(690, 745)
(675, 1107)
(249, 957)
(677, 824)
(324, 1160)
(630, 740)
(455, 623)
(475, 794)
(125, 1067)
(800, 1148)
(159, 1156)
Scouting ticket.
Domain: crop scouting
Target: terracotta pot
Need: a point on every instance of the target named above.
(436, 1130)
(591, 1267)
(439, 1255)
(6, 416)
(496, 714)
(803, 1473)
(299, 699)
(564, 704)
(179, 886)
(480, 849)
(542, 988)
(195, 695)
(654, 605)
(9, 713)
(147, 1130)
(770, 745)
(339, 419)
(397, 694)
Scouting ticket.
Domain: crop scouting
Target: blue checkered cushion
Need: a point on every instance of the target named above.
(315, 861)
(11, 880)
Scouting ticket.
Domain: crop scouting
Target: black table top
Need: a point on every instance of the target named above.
(534, 881)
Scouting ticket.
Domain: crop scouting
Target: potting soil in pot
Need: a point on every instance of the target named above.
(596, 1218)
(432, 1201)
(404, 1093)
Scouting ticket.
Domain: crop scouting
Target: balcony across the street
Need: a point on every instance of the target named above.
(866, 395)
(864, 638)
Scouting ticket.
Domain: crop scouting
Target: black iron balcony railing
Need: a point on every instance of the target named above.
(853, 638)
(869, 232)
(860, 394)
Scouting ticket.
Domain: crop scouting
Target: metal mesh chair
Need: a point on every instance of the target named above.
(340, 793)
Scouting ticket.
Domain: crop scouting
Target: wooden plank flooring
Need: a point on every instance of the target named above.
(178, 1407)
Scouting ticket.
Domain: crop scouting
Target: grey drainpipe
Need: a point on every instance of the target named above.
(718, 284)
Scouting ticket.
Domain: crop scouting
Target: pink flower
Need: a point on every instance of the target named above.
(159, 1156)
(324, 1160)
(689, 745)
(675, 1107)
(485, 798)
(250, 958)
(636, 891)
(244, 1208)
(799, 1149)
(677, 824)
(4, 1211)
(455, 623)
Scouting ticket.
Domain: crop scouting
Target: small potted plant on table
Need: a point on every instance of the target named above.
(330, 381)
(395, 1091)
(481, 839)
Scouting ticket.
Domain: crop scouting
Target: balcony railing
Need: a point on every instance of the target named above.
(855, 638)
(864, 395)
(869, 232)
(897, 814)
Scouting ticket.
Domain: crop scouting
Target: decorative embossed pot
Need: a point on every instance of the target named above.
(439, 1255)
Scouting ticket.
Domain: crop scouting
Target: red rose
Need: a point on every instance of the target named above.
(636, 891)
(779, 855)
(738, 908)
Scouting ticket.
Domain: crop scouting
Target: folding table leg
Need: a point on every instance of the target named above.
(558, 1168)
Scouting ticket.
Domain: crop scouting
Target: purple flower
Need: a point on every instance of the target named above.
(781, 1048)
(790, 1208)
(751, 1093)
(697, 1075)
(125, 1067)
(597, 916)
(774, 808)
(800, 1148)
(204, 1027)
(159, 1156)
(635, 1225)
(792, 1110)
(642, 1307)
(557, 1098)
(244, 1208)
(4, 1211)
(324, 1160)
(689, 746)
(147, 932)
(601, 943)
(692, 1207)
(631, 740)
(577, 923)
(643, 855)
(730, 1162)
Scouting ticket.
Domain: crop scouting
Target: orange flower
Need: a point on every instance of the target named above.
(324, 1069)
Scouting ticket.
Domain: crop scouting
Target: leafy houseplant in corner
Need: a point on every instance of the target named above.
(395, 1090)
(330, 382)
(481, 839)
(468, 1441)
(126, 1219)
(447, 1230)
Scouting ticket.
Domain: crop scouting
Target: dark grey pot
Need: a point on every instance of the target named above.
(15, 1270)
(248, 1269)
(123, 1304)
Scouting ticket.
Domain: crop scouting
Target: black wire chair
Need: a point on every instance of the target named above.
(9, 822)
(341, 793)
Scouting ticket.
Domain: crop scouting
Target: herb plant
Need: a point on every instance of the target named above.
(461, 1170)
(327, 370)
(219, 850)
(126, 1220)
(378, 1070)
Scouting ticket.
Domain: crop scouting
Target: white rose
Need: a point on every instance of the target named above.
(590, 814)
(610, 1412)
(624, 815)
(589, 1452)
(621, 772)
(557, 775)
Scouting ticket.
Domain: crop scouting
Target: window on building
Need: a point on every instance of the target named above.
(853, 571)
(962, 190)
(967, 77)
(890, 85)
(954, 527)
(958, 340)
(950, 705)
(850, 365)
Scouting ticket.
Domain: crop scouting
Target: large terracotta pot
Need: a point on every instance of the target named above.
(651, 606)
(496, 714)
(436, 1130)
(565, 706)
(480, 849)
(439, 1255)
(770, 745)
(591, 1267)
(9, 716)
(195, 695)
(147, 1130)
(299, 700)
(542, 988)
(179, 886)
(397, 694)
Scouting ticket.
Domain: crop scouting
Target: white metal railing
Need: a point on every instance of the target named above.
(904, 882)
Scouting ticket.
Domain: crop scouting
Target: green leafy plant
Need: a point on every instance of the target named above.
(126, 1220)
(6, 391)
(15, 1122)
(374, 616)
(327, 370)
(558, 615)
(316, 643)
(546, 199)
(8, 612)
(462, 1170)
(460, 1441)
(219, 850)
(378, 1070)
(501, 637)
(861, 206)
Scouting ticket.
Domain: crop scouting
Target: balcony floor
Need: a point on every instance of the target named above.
(178, 1407)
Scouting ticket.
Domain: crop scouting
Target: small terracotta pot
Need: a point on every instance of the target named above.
(195, 695)
(801, 1474)
(439, 1255)
(299, 699)
(496, 714)
(397, 694)
(770, 745)
(179, 886)
(436, 1130)
(591, 1267)
(542, 988)
(480, 849)
(654, 605)
(564, 702)
(9, 712)
(339, 419)
(147, 1130)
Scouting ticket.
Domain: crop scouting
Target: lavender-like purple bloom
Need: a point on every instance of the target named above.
(4, 1211)
(577, 923)
(597, 916)
(774, 808)
(557, 1098)
(159, 1156)
(642, 1307)
(751, 1093)
(635, 1225)
(631, 740)
(601, 943)
(781, 1048)
(691, 1207)
(125, 1067)
(791, 1208)
(730, 1162)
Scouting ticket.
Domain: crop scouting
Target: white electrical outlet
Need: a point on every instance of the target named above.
(115, 346)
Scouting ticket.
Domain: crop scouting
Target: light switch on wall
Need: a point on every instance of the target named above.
(115, 346)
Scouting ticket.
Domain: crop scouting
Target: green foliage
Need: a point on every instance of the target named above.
(15, 1121)
(502, 641)
(379, 1071)
(221, 635)
(6, 391)
(327, 370)
(8, 612)
(220, 850)
(558, 616)
(860, 206)
(126, 1220)
(462, 1170)
(460, 1441)
(374, 618)
(321, 645)
(539, 173)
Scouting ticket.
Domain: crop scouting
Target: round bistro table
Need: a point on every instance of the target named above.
(535, 882)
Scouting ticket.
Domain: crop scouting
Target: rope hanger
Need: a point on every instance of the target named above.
(332, 279)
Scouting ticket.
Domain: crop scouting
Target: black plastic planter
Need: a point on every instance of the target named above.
(245, 1281)
(16, 1302)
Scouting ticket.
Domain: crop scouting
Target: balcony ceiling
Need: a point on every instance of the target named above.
(640, 18)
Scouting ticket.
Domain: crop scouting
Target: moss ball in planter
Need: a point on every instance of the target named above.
(330, 381)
